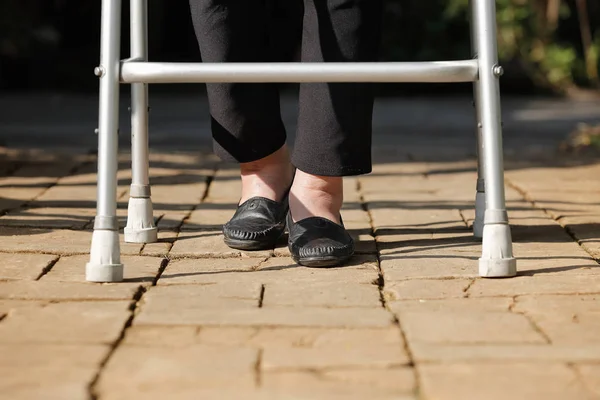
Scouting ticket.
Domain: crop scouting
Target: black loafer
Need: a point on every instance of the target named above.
(257, 224)
(319, 242)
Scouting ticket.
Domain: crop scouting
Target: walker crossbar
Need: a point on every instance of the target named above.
(491, 219)
(133, 71)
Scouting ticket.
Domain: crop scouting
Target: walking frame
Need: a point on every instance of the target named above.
(491, 222)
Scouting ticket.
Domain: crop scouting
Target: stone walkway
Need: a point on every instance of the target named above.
(407, 319)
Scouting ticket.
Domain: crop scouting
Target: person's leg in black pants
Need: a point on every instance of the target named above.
(334, 127)
(245, 118)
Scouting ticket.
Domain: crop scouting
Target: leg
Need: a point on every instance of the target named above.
(140, 220)
(480, 189)
(334, 123)
(246, 121)
(334, 128)
(497, 259)
(338, 116)
(105, 261)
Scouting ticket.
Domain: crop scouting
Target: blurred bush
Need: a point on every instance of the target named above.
(553, 45)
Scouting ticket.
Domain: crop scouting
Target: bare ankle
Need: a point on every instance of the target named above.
(313, 195)
(268, 177)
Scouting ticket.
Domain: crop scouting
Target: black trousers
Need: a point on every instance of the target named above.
(334, 120)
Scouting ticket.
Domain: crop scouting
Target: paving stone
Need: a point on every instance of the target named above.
(227, 185)
(311, 385)
(522, 285)
(60, 241)
(8, 307)
(200, 297)
(321, 294)
(53, 371)
(73, 194)
(426, 265)
(162, 247)
(445, 353)
(209, 216)
(399, 220)
(178, 197)
(480, 304)
(208, 244)
(426, 289)
(564, 319)
(569, 264)
(24, 266)
(135, 372)
(189, 271)
(282, 250)
(500, 381)
(400, 379)
(171, 220)
(46, 217)
(161, 336)
(44, 240)
(591, 378)
(355, 214)
(551, 304)
(570, 328)
(468, 327)
(361, 269)
(65, 291)
(267, 317)
(453, 240)
(137, 269)
(67, 323)
(364, 242)
(373, 356)
(286, 337)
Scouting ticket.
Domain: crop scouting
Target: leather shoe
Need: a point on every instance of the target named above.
(319, 242)
(257, 224)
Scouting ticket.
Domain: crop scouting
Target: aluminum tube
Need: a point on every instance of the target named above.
(484, 13)
(477, 101)
(109, 108)
(139, 95)
(434, 71)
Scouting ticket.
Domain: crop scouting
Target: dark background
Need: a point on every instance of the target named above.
(53, 45)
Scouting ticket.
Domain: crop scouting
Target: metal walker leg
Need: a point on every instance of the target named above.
(105, 261)
(140, 220)
(497, 256)
(480, 188)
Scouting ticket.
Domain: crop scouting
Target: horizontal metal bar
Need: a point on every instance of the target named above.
(432, 71)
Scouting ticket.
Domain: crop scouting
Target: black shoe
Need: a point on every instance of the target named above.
(257, 224)
(319, 242)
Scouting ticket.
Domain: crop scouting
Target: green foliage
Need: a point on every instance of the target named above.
(526, 37)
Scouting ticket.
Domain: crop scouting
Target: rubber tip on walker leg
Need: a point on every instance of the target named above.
(105, 261)
(104, 272)
(146, 235)
(140, 222)
(497, 267)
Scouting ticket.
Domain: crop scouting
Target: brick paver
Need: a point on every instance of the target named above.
(407, 318)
